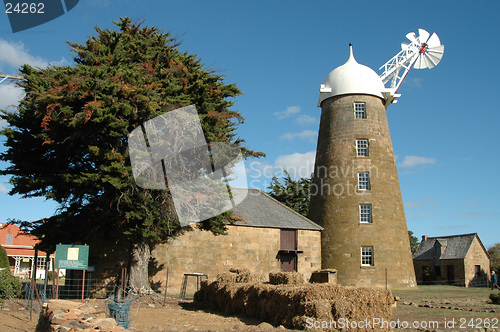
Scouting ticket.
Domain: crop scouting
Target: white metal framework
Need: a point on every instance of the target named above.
(424, 51)
(4, 77)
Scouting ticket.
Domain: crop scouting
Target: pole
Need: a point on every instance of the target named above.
(47, 264)
(166, 284)
(57, 285)
(33, 282)
(53, 277)
(83, 284)
(385, 278)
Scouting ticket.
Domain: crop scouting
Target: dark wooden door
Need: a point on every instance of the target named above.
(288, 247)
(288, 262)
(288, 239)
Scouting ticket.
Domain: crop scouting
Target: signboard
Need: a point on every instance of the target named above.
(72, 257)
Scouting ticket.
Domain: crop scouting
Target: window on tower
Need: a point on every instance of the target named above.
(359, 110)
(365, 213)
(367, 256)
(362, 147)
(364, 181)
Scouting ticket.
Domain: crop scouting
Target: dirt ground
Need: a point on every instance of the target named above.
(428, 308)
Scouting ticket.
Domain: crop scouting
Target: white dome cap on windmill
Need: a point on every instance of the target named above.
(351, 78)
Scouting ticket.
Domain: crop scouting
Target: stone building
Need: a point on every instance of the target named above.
(269, 238)
(458, 260)
(355, 193)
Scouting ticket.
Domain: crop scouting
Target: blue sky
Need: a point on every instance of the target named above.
(279, 52)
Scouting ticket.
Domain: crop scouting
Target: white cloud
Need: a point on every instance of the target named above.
(15, 55)
(427, 214)
(472, 214)
(3, 189)
(412, 161)
(298, 165)
(306, 120)
(10, 95)
(291, 110)
(419, 203)
(414, 82)
(309, 135)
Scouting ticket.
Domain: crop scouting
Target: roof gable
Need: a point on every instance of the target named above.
(455, 247)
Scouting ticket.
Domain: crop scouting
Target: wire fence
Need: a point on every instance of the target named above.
(459, 283)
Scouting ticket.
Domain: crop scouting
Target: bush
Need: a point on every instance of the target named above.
(495, 298)
(10, 286)
(4, 259)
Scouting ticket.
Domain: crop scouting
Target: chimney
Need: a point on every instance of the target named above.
(424, 237)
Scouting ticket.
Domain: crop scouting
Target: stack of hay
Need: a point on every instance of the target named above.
(290, 302)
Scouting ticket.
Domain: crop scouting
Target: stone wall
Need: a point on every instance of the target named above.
(252, 248)
(477, 256)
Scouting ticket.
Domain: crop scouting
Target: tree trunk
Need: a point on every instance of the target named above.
(139, 260)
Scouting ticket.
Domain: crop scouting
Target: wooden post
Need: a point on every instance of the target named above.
(83, 284)
(33, 282)
(385, 278)
(47, 263)
(166, 284)
(53, 263)
(57, 285)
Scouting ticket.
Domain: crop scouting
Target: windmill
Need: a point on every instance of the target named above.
(4, 77)
(424, 51)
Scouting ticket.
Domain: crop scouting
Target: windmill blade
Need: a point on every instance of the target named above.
(430, 58)
(423, 36)
(435, 54)
(434, 41)
(411, 36)
(420, 62)
(404, 46)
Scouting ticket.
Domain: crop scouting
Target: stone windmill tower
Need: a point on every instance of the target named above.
(355, 194)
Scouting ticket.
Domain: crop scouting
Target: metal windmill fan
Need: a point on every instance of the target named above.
(424, 51)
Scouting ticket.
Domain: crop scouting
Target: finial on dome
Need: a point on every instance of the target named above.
(351, 54)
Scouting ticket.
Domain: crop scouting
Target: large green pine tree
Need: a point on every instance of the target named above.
(293, 193)
(68, 139)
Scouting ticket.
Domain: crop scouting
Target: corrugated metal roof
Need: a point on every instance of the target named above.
(258, 209)
(457, 246)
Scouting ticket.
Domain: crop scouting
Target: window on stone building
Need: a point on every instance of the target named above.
(365, 213)
(364, 181)
(362, 147)
(477, 270)
(359, 110)
(366, 256)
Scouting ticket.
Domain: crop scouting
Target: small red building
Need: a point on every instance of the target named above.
(20, 250)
